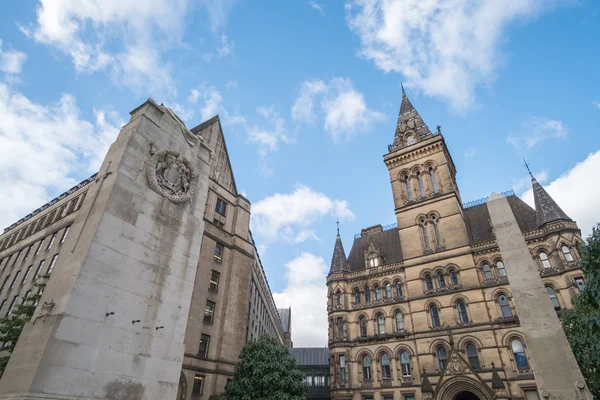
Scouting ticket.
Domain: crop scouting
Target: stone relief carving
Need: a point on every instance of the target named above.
(171, 175)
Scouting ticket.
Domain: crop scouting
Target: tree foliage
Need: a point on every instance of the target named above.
(12, 325)
(582, 323)
(266, 371)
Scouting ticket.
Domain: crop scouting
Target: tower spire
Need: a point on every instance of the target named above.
(339, 262)
(546, 209)
(409, 120)
(337, 221)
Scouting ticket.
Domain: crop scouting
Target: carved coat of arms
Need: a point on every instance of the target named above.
(171, 175)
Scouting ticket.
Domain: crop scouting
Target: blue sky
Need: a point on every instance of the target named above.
(308, 93)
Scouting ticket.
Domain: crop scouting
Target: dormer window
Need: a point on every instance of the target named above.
(410, 140)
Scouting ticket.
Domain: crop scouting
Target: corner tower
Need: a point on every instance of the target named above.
(427, 201)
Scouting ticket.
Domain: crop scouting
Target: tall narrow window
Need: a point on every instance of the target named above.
(545, 261)
(399, 321)
(213, 285)
(52, 239)
(453, 277)
(39, 247)
(487, 272)
(436, 230)
(428, 282)
(405, 363)
(27, 253)
(367, 294)
(218, 255)
(37, 271)
(52, 262)
(553, 298)
(12, 305)
(442, 357)
(12, 285)
(519, 353)
(198, 385)
(386, 372)
(501, 270)
(65, 233)
(504, 306)
(343, 368)
(363, 326)
(4, 283)
(357, 296)
(567, 252)
(380, 324)
(473, 356)
(421, 186)
(435, 317)
(462, 312)
(408, 188)
(209, 312)
(441, 280)
(340, 328)
(366, 364)
(338, 297)
(436, 189)
(388, 291)
(221, 206)
(398, 289)
(425, 234)
(27, 274)
(204, 346)
(377, 293)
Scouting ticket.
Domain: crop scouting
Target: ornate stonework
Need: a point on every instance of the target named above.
(171, 175)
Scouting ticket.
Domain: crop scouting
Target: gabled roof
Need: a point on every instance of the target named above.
(546, 209)
(310, 355)
(387, 242)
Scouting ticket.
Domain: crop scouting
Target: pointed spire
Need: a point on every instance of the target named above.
(546, 209)
(339, 262)
(425, 384)
(496, 381)
(409, 120)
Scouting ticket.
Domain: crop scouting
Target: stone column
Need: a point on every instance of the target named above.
(556, 372)
(112, 319)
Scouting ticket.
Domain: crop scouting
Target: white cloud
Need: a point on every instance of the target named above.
(11, 61)
(289, 216)
(444, 48)
(576, 193)
(345, 110)
(306, 293)
(320, 7)
(305, 235)
(212, 100)
(223, 49)
(537, 130)
(231, 85)
(596, 103)
(46, 148)
(269, 135)
(218, 11)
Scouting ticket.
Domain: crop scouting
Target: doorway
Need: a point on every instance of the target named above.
(465, 395)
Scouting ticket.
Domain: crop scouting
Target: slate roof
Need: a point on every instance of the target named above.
(285, 314)
(339, 261)
(409, 118)
(310, 355)
(546, 209)
(388, 243)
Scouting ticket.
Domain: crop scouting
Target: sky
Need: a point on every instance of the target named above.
(308, 93)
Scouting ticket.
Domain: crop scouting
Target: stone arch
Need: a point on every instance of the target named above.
(382, 350)
(462, 343)
(437, 343)
(359, 315)
(400, 348)
(450, 388)
(378, 311)
(510, 335)
(362, 353)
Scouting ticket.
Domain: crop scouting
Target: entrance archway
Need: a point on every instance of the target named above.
(466, 395)
(462, 387)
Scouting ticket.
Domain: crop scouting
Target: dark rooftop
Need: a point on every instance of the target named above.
(387, 241)
(310, 355)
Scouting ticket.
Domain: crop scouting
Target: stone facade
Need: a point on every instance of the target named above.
(423, 308)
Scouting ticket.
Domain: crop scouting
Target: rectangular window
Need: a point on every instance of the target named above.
(72, 205)
(40, 223)
(580, 283)
(39, 247)
(51, 267)
(531, 394)
(308, 379)
(2, 305)
(343, 368)
(213, 286)
(27, 252)
(80, 202)
(12, 305)
(26, 296)
(204, 345)
(50, 218)
(64, 236)
(198, 385)
(4, 283)
(221, 206)
(388, 397)
(218, 256)
(367, 397)
(209, 312)
(319, 380)
(52, 239)
(409, 397)
(26, 274)
(37, 271)
(12, 285)
(17, 257)
(61, 212)
(340, 327)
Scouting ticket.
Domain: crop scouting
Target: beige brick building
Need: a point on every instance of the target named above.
(231, 301)
(423, 309)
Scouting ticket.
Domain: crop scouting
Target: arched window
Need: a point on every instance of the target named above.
(553, 298)
(567, 252)
(519, 353)
(428, 282)
(374, 260)
(362, 322)
(399, 321)
(441, 280)
(442, 355)
(377, 293)
(408, 188)
(388, 291)
(501, 270)
(339, 298)
(385, 366)
(380, 324)
(462, 312)
(453, 277)
(367, 294)
(435, 317)
(545, 261)
(473, 356)
(366, 368)
(405, 363)
(357, 296)
(436, 189)
(425, 235)
(399, 289)
(421, 187)
(504, 306)
(487, 272)
(436, 229)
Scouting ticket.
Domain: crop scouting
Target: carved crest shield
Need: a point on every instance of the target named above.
(171, 175)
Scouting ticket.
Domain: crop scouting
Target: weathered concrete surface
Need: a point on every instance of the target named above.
(556, 372)
(131, 252)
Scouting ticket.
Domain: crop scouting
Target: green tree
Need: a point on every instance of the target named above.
(582, 323)
(266, 371)
(12, 325)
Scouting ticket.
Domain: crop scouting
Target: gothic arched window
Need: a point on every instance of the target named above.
(367, 294)
(386, 372)
(408, 188)
(377, 293)
(399, 289)
(363, 326)
(425, 235)
(338, 297)
(442, 355)
(366, 364)
(436, 189)
(421, 186)
(428, 282)
(545, 261)
(436, 229)
(388, 290)
(501, 270)
(435, 317)
(399, 321)
(462, 312)
(473, 356)
(553, 298)
(357, 296)
(487, 272)
(380, 324)
(504, 306)
(567, 252)
(453, 277)
(441, 280)
(405, 363)
(519, 353)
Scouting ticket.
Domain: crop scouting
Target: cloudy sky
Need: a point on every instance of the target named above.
(308, 92)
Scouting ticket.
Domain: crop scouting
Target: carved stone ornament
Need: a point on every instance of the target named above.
(171, 175)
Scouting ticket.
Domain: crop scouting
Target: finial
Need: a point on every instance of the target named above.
(439, 129)
(493, 366)
(403, 92)
(528, 170)
(337, 221)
